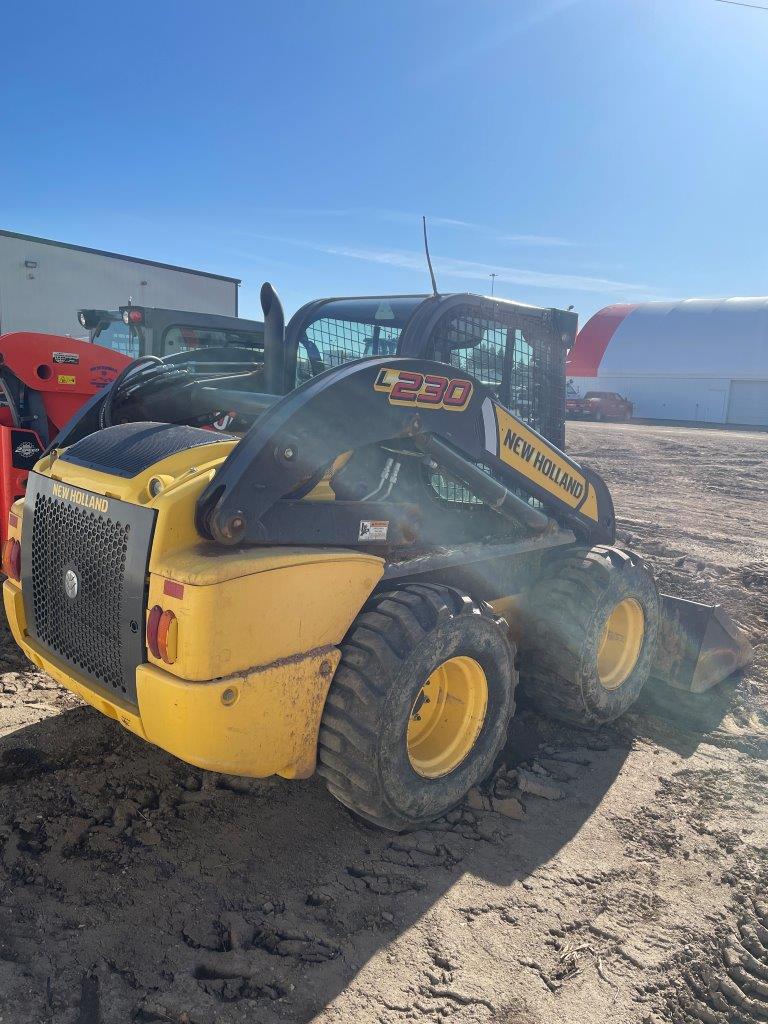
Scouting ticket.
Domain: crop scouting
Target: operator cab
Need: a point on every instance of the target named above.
(517, 350)
(218, 367)
(197, 338)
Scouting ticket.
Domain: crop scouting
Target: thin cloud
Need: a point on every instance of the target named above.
(403, 217)
(469, 270)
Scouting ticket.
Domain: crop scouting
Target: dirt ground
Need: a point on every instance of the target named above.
(133, 888)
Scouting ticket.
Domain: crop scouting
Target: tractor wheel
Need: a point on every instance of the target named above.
(419, 706)
(590, 627)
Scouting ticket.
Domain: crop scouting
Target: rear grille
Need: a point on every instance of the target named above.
(98, 629)
(86, 630)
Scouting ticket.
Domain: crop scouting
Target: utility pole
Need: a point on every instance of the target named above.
(493, 281)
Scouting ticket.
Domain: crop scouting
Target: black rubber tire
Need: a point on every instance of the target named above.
(399, 638)
(563, 621)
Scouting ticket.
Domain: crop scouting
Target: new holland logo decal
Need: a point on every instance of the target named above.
(77, 497)
(71, 584)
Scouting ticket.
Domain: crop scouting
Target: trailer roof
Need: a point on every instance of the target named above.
(118, 256)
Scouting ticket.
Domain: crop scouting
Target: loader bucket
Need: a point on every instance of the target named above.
(699, 645)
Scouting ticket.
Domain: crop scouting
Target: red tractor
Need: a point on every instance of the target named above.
(46, 378)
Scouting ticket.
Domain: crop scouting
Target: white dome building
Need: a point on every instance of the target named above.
(697, 360)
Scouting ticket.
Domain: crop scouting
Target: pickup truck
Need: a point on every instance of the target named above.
(599, 405)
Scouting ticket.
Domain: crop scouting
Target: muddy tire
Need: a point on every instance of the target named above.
(419, 706)
(590, 626)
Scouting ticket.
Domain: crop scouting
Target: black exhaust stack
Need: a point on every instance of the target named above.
(274, 340)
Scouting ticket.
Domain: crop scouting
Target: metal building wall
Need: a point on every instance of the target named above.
(697, 360)
(46, 294)
(699, 400)
(690, 399)
(748, 402)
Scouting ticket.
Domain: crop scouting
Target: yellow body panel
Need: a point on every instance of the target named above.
(251, 607)
(257, 723)
(257, 628)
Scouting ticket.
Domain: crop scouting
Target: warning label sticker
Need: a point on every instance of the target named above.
(64, 378)
(373, 529)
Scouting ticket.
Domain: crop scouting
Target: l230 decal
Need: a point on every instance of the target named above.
(429, 390)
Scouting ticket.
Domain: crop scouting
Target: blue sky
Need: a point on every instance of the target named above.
(586, 151)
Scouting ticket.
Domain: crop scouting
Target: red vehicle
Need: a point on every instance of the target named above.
(46, 378)
(599, 405)
(44, 381)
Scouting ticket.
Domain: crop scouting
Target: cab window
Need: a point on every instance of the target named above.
(473, 343)
(331, 342)
(494, 349)
(120, 337)
(186, 339)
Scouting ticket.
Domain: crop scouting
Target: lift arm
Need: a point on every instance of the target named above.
(429, 405)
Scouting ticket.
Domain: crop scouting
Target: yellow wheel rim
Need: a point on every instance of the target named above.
(447, 717)
(620, 644)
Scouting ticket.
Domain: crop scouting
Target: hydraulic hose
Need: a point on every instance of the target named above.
(105, 416)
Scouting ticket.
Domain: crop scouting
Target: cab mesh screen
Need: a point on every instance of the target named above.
(518, 355)
(330, 342)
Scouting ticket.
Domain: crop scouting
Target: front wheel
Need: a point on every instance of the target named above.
(419, 706)
(590, 628)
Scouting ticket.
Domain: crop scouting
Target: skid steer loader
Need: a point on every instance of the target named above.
(349, 578)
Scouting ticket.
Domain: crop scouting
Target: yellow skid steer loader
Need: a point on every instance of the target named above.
(345, 579)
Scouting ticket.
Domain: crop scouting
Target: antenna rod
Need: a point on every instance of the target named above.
(429, 260)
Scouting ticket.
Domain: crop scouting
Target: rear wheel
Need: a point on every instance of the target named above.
(419, 706)
(591, 623)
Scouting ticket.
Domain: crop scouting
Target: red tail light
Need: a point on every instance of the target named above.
(167, 634)
(162, 634)
(12, 559)
(153, 621)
